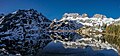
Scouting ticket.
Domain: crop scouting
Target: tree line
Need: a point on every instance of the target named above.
(113, 29)
(113, 35)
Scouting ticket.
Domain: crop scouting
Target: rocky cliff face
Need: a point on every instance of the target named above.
(84, 15)
(23, 30)
(99, 16)
(23, 22)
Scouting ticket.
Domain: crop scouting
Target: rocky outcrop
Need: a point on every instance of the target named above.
(99, 16)
(84, 15)
(74, 15)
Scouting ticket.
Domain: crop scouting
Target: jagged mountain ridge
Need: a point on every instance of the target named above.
(84, 18)
(98, 21)
(84, 15)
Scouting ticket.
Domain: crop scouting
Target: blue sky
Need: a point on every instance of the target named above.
(56, 8)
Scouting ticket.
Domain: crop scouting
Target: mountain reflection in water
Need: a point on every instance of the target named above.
(73, 44)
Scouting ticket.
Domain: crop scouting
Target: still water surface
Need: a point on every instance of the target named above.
(73, 44)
